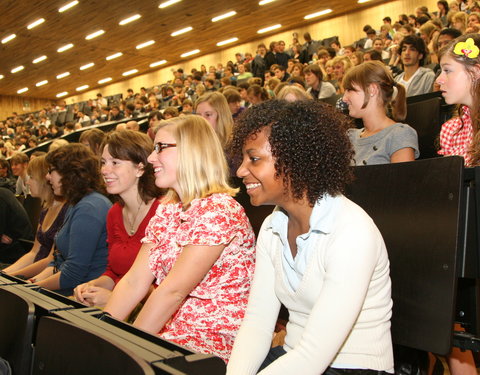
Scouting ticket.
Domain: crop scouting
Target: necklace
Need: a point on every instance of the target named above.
(132, 225)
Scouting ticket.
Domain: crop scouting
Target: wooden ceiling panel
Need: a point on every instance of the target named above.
(155, 24)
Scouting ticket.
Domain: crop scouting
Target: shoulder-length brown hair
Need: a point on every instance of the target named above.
(135, 147)
(38, 169)
(79, 169)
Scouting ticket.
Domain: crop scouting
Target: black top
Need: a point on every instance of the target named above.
(14, 221)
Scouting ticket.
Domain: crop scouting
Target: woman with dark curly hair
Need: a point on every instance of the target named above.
(318, 253)
(80, 252)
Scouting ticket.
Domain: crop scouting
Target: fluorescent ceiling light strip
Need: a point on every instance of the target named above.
(105, 80)
(80, 88)
(129, 19)
(223, 42)
(36, 23)
(146, 44)
(17, 69)
(95, 34)
(269, 28)
(263, 2)
(223, 16)
(182, 31)
(63, 75)
(68, 6)
(130, 72)
(317, 14)
(41, 83)
(38, 59)
(157, 63)
(8, 38)
(114, 56)
(363, 1)
(65, 47)
(60, 94)
(25, 89)
(86, 66)
(168, 3)
(190, 53)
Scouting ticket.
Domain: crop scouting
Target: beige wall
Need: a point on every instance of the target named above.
(348, 27)
(20, 104)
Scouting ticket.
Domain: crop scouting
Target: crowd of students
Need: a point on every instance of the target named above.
(176, 255)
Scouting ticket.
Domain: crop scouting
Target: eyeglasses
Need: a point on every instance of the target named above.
(51, 169)
(160, 146)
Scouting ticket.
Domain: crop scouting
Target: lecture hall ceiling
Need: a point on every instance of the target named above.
(157, 24)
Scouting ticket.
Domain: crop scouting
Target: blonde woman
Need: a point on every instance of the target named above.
(51, 219)
(213, 107)
(198, 248)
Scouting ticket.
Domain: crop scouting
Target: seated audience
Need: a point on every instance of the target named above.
(19, 164)
(93, 139)
(129, 177)
(369, 90)
(80, 252)
(318, 88)
(51, 219)
(198, 248)
(318, 253)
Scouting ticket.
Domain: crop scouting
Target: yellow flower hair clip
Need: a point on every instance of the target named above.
(467, 49)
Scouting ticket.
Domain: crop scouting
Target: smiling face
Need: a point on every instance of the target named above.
(19, 169)
(258, 171)
(121, 176)
(455, 82)
(55, 180)
(208, 113)
(355, 99)
(165, 162)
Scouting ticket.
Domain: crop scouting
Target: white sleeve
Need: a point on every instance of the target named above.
(254, 338)
(349, 264)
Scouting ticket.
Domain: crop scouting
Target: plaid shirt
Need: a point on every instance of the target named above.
(456, 136)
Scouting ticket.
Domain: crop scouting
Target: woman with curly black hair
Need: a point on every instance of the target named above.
(80, 252)
(318, 253)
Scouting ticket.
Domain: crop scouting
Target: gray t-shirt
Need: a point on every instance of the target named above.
(378, 148)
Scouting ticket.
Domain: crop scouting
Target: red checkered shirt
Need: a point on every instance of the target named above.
(456, 136)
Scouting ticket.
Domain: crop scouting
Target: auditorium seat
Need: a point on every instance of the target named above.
(16, 331)
(33, 206)
(75, 351)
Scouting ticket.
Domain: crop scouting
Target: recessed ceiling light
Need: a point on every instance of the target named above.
(36, 23)
(182, 31)
(263, 2)
(38, 59)
(168, 3)
(105, 80)
(60, 94)
(157, 63)
(82, 88)
(114, 56)
(223, 42)
(65, 47)
(130, 72)
(2, 76)
(68, 6)
(17, 69)
(146, 44)
(86, 66)
(25, 89)
(63, 75)
(41, 83)
(8, 38)
(190, 53)
(95, 34)
(223, 16)
(129, 19)
(270, 28)
(363, 1)
(317, 14)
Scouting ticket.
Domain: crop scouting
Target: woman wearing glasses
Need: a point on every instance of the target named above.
(80, 252)
(129, 177)
(198, 248)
